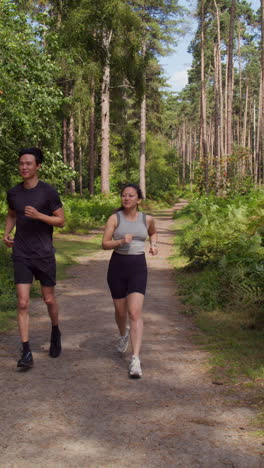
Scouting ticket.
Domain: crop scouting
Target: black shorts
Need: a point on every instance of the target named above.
(127, 274)
(43, 269)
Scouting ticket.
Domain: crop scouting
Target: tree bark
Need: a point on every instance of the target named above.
(71, 151)
(204, 150)
(244, 133)
(65, 138)
(143, 111)
(229, 136)
(261, 110)
(91, 141)
(105, 116)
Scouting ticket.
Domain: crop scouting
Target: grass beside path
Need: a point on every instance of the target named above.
(237, 351)
(71, 246)
(68, 248)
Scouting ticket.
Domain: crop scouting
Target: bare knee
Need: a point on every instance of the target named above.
(49, 300)
(23, 305)
(134, 315)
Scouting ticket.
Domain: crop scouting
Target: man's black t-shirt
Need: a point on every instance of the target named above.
(33, 238)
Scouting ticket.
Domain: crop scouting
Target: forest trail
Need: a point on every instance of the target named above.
(82, 411)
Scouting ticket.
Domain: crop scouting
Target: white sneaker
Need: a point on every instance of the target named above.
(123, 342)
(134, 369)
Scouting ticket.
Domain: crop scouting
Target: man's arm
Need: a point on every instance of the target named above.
(57, 218)
(9, 226)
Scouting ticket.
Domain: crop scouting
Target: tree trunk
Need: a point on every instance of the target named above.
(80, 155)
(184, 153)
(239, 139)
(258, 138)
(244, 133)
(203, 103)
(71, 151)
(143, 110)
(105, 116)
(229, 136)
(65, 139)
(220, 119)
(262, 90)
(91, 140)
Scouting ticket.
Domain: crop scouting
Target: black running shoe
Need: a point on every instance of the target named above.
(26, 361)
(55, 344)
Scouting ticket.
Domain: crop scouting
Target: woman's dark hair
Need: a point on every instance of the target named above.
(34, 151)
(135, 187)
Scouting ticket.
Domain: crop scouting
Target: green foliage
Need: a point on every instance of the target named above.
(55, 172)
(218, 230)
(7, 289)
(29, 95)
(3, 209)
(231, 324)
(82, 214)
(225, 246)
(161, 169)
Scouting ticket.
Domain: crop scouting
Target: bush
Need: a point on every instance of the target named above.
(224, 242)
(7, 289)
(82, 214)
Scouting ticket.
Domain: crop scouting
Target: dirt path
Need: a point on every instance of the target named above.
(81, 410)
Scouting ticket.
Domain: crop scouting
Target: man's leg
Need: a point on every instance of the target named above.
(48, 294)
(23, 293)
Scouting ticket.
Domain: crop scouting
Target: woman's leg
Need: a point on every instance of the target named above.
(121, 314)
(135, 305)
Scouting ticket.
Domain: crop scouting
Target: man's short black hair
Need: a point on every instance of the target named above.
(35, 151)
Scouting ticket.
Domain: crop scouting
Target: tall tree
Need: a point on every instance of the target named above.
(229, 84)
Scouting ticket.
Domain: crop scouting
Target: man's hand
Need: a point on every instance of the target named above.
(31, 212)
(8, 242)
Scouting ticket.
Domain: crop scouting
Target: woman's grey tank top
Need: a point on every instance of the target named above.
(138, 229)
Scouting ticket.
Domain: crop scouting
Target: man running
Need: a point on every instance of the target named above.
(34, 207)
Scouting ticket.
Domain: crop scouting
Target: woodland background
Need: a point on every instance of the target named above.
(83, 80)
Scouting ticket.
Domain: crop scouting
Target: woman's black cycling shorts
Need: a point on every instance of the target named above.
(127, 274)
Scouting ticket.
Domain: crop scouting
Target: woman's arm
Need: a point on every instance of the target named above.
(108, 242)
(153, 248)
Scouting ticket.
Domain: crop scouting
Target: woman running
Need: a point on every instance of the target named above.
(125, 233)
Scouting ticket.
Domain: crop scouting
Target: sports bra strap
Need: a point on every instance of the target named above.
(118, 218)
(144, 216)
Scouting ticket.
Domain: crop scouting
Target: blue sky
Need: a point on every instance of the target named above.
(177, 64)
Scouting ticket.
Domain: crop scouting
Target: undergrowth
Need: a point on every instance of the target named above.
(219, 272)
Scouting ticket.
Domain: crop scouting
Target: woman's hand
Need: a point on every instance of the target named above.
(153, 249)
(127, 239)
